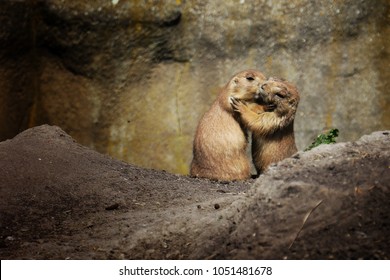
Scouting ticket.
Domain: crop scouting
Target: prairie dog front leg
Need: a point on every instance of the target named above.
(255, 117)
(249, 112)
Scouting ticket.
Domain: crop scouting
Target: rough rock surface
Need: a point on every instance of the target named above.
(61, 200)
(132, 78)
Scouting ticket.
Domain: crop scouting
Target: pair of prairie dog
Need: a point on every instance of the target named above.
(248, 101)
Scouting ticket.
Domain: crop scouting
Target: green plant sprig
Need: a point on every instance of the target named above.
(325, 138)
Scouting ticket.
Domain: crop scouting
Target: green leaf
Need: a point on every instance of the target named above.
(326, 138)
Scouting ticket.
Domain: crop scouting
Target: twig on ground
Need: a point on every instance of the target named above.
(304, 221)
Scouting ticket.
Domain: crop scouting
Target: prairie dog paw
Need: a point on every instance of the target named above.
(237, 104)
(232, 100)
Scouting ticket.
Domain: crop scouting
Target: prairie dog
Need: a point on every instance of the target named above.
(273, 129)
(220, 142)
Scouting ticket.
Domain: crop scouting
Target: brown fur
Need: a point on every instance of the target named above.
(219, 148)
(273, 128)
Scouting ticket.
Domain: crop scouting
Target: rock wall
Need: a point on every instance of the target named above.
(132, 78)
(18, 64)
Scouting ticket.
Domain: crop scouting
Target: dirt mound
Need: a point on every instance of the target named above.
(61, 200)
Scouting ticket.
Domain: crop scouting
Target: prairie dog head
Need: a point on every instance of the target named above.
(282, 96)
(246, 85)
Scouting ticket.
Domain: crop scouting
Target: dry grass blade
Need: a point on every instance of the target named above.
(304, 221)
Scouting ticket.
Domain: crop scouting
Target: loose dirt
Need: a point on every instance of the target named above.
(60, 200)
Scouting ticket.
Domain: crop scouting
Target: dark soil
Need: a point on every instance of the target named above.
(60, 200)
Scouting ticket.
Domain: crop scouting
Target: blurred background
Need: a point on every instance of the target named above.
(132, 78)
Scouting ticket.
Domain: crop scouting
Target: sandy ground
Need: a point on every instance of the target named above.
(60, 200)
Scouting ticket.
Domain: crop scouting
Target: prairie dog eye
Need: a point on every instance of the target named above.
(250, 78)
(280, 95)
